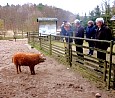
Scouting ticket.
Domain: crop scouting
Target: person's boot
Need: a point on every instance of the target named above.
(101, 64)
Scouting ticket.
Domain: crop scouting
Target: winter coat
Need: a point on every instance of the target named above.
(103, 34)
(63, 31)
(79, 32)
(90, 32)
(69, 33)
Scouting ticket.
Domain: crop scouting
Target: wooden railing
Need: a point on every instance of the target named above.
(54, 45)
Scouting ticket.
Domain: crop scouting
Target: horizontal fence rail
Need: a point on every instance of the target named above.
(66, 52)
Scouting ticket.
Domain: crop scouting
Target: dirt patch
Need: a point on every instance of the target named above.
(52, 80)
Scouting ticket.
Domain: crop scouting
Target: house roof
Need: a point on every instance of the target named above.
(46, 19)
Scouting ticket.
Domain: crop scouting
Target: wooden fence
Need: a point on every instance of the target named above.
(4, 35)
(54, 45)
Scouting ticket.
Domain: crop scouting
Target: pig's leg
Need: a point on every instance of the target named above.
(17, 69)
(31, 70)
(20, 68)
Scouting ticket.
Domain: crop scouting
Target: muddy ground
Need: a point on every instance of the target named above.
(52, 79)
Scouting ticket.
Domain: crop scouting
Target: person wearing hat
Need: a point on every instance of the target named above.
(79, 32)
(90, 34)
(103, 33)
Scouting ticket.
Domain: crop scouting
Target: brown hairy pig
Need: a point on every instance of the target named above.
(27, 59)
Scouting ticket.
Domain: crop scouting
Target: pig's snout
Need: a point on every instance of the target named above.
(42, 59)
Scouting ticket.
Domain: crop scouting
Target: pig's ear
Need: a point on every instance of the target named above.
(41, 54)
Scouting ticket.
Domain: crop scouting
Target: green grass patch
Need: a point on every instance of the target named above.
(90, 76)
(37, 46)
(86, 73)
(58, 44)
(8, 38)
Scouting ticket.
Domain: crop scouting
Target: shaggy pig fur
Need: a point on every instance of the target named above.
(27, 59)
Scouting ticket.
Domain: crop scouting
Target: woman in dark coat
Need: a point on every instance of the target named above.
(68, 32)
(90, 33)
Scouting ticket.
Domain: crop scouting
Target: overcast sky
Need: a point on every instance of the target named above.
(75, 6)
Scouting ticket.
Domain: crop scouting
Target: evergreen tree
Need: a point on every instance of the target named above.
(92, 16)
(40, 6)
(107, 14)
(97, 12)
(78, 16)
(85, 20)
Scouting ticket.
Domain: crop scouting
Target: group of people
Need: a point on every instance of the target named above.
(99, 31)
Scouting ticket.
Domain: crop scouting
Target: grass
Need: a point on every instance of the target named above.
(89, 74)
(8, 38)
(84, 44)
(58, 44)
(62, 44)
(38, 48)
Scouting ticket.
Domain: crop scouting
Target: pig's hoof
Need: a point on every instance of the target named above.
(32, 73)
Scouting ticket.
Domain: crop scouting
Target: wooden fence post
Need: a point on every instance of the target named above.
(28, 36)
(65, 46)
(69, 52)
(105, 71)
(50, 48)
(40, 41)
(38, 35)
(110, 65)
(14, 36)
(33, 40)
(113, 77)
(70, 55)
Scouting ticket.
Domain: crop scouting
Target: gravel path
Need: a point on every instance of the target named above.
(52, 80)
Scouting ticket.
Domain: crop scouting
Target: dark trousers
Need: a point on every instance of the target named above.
(91, 44)
(102, 56)
(80, 50)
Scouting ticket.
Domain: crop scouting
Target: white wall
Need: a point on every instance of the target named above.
(47, 28)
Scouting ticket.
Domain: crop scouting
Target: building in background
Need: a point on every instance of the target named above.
(47, 26)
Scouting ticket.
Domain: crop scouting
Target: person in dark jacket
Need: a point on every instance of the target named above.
(103, 33)
(63, 31)
(68, 32)
(79, 32)
(90, 33)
